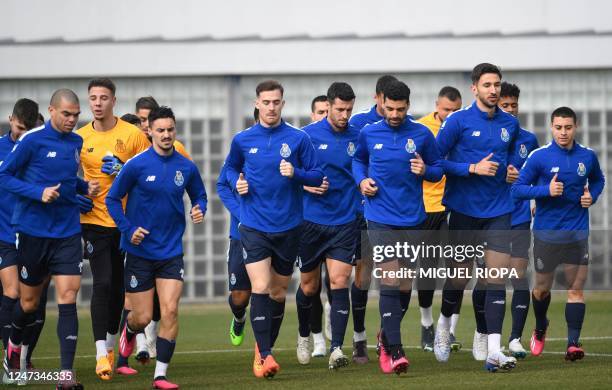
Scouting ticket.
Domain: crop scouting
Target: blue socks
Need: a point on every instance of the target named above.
(495, 308)
(574, 316)
(520, 307)
(359, 301)
(6, 315)
(277, 311)
(479, 294)
(390, 313)
(304, 306)
(20, 320)
(450, 298)
(239, 312)
(67, 332)
(165, 349)
(405, 302)
(540, 308)
(340, 307)
(261, 322)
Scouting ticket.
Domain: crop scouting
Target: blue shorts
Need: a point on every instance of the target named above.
(140, 273)
(549, 255)
(236, 270)
(281, 247)
(39, 257)
(8, 254)
(320, 242)
(493, 232)
(363, 250)
(383, 235)
(520, 236)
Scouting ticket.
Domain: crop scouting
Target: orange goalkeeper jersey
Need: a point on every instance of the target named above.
(432, 192)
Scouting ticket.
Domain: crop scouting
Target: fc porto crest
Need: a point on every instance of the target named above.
(523, 151)
(179, 179)
(350, 149)
(24, 273)
(505, 136)
(120, 146)
(133, 282)
(232, 279)
(285, 151)
(581, 169)
(410, 146)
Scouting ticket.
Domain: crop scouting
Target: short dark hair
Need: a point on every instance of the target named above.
(269, 85)
(397, 90)
(26, 111)
(131, 118)
(160, 113)
(563, 112)
(340, 90)
(103, 82)
(382, 82)
(451, 93)
(40, 120)
(509, 90)
(146, 103)
(484, 68)
(320, 98)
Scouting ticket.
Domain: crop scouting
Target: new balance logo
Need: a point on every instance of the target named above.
(323, 146)
(150, 178)
(344, 312)
(554, 170)
(260, 318)
(71, 337)
(499, 302)
(521, 307)
(476, 133)
(253, 150)
(385, 315)
(378, 146)
(51, 154)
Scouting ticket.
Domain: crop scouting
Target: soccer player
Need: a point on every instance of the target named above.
(391, 160)
(565, 179)
(520, 234)
(448, 101)
(477, 143)
(42, 171)
(329, 227)
(239, 283)
(363, 260)
(319, 108)
(107, 143)
(155, 182)
(23, 118)
(267, 165)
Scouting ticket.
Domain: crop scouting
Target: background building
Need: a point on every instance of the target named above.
(204, 59)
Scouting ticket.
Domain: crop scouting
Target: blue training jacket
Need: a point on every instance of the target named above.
(44, 157)
(231, 201)
(560, 219)
(383, 154)
(466, 137)
(155, 186)
(335, 150)
(525, 143)
(7, 199)
(366, 117)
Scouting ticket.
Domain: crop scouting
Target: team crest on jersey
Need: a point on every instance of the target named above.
(410, 146)
(350, 149)
(120, 146)
(285, 151)
(24, 273)
(178, 178)
(133, 282)
(581, 169)
(89, 247)
(505, 136)
(523, 151)
(232, 279)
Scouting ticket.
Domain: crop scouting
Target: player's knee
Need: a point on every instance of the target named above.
(67, 295)
(310, 288)
(279, 293)
(574, 296)
(169, 313)
(340, 281)
(29, 304)
(241, 297)
(540, 293)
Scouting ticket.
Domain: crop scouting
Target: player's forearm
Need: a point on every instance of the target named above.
(433, 173)
(82, 187)
(18, 187)
(455, 168)
(115, 210)
(525, 191)
(360, 171)
(311, 177)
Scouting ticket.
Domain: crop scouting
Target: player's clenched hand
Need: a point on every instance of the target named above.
(286, 168)
(417, 165)
(586, 200)
(485, 167)
(242, 186)
(368, 187)
(51, 193)
(555, 187)
(197, 216)
(318, 190)
(93, 188)
(139, 235)
(511, 174)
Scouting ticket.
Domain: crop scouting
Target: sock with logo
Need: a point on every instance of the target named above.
(359, 302)
(165, 350)
(41, 315)
(574, 316)
(495, 309)
(405, 302)
(67, 332)
(540, 308)
(316, 312)
(339, 315)
(479, 294)
(6, 314)
(260, 322)
(390, 309)
(20, 320)
(277, 312)
(520, 306)
(304, 306)
(450, 297)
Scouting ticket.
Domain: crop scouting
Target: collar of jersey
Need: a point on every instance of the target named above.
(270, 129)
(482, 114)
(568, 151)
